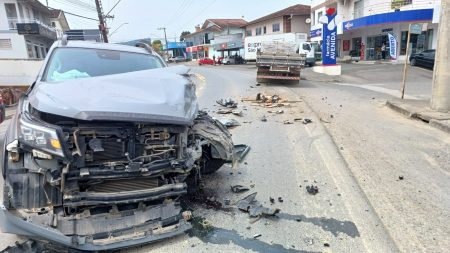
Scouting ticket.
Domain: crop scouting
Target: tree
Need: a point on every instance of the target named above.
(184, 34)
(157, 45)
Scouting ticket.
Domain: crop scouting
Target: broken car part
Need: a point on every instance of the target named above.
(249, 205)
(229, 123)
(312, 189)
(228, 102)
(239, 188)
(241, 150)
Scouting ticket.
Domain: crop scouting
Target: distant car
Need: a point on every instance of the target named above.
(205, 61)
(424, 58)
(227, 60)
(179, 59)
(2, 109)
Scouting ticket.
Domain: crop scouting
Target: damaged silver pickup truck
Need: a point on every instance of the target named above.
(102, 147)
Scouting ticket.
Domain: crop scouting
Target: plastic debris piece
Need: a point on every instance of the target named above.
(312, 189)
(239, 188)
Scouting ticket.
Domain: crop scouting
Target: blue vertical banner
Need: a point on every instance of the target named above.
(392, 46)
(329, 39)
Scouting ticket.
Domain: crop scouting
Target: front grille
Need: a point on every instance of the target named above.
(113, 149)
(124, 185)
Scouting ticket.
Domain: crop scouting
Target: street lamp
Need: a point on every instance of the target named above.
(115, 30)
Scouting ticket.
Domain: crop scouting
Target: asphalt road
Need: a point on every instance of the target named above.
(355, 157)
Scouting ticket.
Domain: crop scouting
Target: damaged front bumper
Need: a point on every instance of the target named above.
(120, 229)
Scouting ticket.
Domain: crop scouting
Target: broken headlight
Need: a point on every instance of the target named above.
(40, 137)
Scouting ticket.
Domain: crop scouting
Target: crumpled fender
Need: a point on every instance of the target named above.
(216, 134)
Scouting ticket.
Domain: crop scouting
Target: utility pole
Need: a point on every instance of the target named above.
(101, 18)
(440, 95)
(165, 35)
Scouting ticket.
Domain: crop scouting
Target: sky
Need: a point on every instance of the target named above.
(136, 19)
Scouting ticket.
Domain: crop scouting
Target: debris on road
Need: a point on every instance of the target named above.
(228, 102)
(239, 188)
(326, 244)
(298, 119)
(287, 122)
(279, 112)
(238, 113)
(272, 200)
(400, 178)
(324, 120)
(280, 199)
(229, 123)
(256, 235)
(306, 121)
(187, 215)
(226, 202)
(263, 118)
(240, 151)
(258, 84)
(249, 205)
(312, 189)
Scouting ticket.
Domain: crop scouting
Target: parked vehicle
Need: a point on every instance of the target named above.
(253, 44)
(227, 60)
(205, 61)
(2, 109)
(102, 147)
(279, 61)
(424, 58)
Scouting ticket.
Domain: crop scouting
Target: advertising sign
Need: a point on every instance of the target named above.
(329, 39)
(416, 29)
(392, 46)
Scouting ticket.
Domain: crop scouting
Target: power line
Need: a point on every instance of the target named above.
(113, 7)
(73, 14)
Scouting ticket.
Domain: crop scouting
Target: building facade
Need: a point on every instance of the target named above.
(364, 25)
(294, 19)
(216, 37)
(28, 29)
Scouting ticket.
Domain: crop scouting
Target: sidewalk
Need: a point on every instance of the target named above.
(419, 109)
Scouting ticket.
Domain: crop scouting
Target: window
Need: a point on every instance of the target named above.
(358, 9)
(258, 31)
(306, 47)
(11, 15)
(5, 44)
(248, 33)
(71, 63)
(319, 15)
(404, 38)
(276, 27)
(264, 30)
(29, 49)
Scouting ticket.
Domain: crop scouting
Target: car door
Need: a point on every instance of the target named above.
(419, 58)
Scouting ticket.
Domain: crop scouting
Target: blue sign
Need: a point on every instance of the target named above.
(392, 46)
(175, 45)
(329, 41)
(316, 33)
(390, 17)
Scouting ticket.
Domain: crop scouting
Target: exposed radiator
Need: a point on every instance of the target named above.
(124, 185)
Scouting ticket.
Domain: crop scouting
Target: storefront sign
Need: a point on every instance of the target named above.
(329, 39)
(387, 30)
(392, 46)
(315, 33)
(415, 28)
(390, 17)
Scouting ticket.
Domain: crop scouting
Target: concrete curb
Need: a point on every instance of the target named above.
(400, 109)
(442, 124)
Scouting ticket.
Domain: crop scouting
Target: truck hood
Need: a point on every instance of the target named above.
(162, 95)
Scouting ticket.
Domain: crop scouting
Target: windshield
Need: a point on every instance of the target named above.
(72, 63)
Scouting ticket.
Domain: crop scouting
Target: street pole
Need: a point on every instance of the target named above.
(165, 37)
(406, 61)
(101, 18)
(440, 95)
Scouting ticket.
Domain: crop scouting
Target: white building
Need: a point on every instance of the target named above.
(215, 37)
(366, 24)
(28, 29)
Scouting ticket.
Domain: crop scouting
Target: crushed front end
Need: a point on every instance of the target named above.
(99, 185)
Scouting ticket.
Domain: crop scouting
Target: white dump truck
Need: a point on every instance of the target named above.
(253, 44)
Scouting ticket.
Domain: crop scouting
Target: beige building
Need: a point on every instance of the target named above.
(294, 19)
